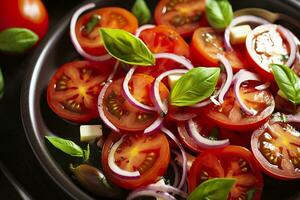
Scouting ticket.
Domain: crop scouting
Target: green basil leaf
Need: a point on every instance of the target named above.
(250, 194)
(17, 40)
(127, 48)
(288, 82)
(86, 153)
(67, 146)
(218, 13)
(1, 84)
(194, 86)
(213, 189)
(141, 11)
(91, 24)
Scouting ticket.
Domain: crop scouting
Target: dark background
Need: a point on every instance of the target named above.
(15, 152)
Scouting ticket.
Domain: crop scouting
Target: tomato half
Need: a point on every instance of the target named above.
(109, 17)
(25, 14)
(276, 147)
(121, 113)
(229, 115)
(147, 154)
(230, 162)
(184, 16)
(74, 88)
(206, 44)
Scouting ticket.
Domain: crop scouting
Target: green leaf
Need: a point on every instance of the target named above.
(1, 84)
(213, 189)
(127, 48)
(288, 82)
(194, 86)
(86, 153)
(141, 11)
(17, 40)
(67, 146)
(218, 13)
(91, 24)
(250, 194)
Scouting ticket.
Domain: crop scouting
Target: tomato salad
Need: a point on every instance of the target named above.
(193, 93)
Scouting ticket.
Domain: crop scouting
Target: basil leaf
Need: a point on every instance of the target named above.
(67, 146)
(218, 13)
(91, 24)
(288, 82)
(86, 153)
(250, 194)
(141, 11)
(127, 48)
(17, 40)
(1, 84)
(194, 86)
(213, 189)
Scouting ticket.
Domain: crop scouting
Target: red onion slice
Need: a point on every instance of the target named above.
(239, 20)
(74, 38)
(263, 86)
(184, 158)
(168, 189)
(229, 76)
(154, 126)
(114, 71)
(144, 192)
(115, 168)
(180, 59)
(176, 173)
(142, 28)
(203, 141)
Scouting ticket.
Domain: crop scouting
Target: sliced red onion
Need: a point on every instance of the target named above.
(176, 173)
(142, 28)
(168, 189)
(184, 158)
(293, 118)
(114, 71)
(100, 108)
(161, 106)
(180, 59)
(229, 75)
(179, 160)
(241, 20)
(115, 168)
(203, 141)
(75, 40)
(263, 86)
(154, 126)
(239, 78)
(144, 192)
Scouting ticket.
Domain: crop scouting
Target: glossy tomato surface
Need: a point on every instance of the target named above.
(30, 14)
(147, 154)
(109, 17)
(228, 162)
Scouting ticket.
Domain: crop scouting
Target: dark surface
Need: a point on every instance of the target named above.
(15, 151)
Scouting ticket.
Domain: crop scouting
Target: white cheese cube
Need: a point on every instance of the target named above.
(238, 34)
(90, 132)
(172, 79)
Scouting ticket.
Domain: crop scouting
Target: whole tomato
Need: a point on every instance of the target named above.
(30, 14)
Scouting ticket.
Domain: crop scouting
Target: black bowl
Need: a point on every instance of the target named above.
(39, 120)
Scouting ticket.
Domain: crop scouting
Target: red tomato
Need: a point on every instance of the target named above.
(148, 154)
(230, 162)
(73, 90)
(183, 16)
(110, 17)
(229, 115)
(276, 147)
(30, 14)
(206, 44)
(121, 112)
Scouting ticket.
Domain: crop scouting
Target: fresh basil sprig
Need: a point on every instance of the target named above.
(194, 86)
(69, 147)
(218, 13)
(288, 82)
(141, 11)
(216, 188)
(17, 40)
(127, 48)
(1, 84)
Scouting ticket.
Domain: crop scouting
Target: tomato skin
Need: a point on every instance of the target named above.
(150, 176)
(16, 13)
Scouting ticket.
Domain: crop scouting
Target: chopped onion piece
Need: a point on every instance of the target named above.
(263, 86)
(229, 75)
(180, 59)
(90, 132)
(142, 28)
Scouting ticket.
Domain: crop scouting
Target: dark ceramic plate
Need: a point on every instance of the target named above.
(39, 120)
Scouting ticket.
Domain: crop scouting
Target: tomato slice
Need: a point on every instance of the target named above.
(184, 16)
(74, 88)
(229, 115)
(276, 147)
(110, 17)
(228, 162)
(148, 154)
(207, 43)
(121, 113)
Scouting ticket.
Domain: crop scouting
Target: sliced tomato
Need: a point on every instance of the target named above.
(74, 88)
(229, 115)
(184, 16)
(228, 162)
(207, 43)
(121, 113)
(109, 17)
(276, 147)
(147, 154)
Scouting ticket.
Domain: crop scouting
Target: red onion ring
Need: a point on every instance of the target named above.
(114, 71)
(239, 20)
(229, 76)
(74, 38)
(168, 189)
(144, 192)
(204, 142)
(154, 126)
(176, 173)
(180, 59)
(263, 86)
(184, 158)
(142, 28)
